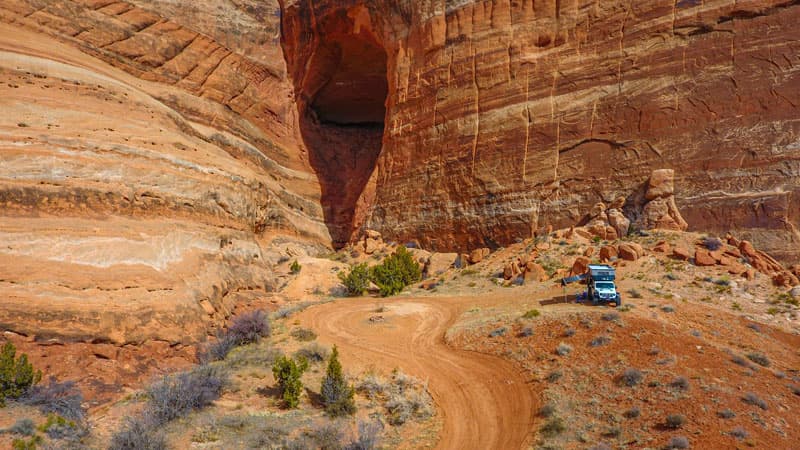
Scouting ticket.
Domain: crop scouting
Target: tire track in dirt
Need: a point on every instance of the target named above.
(483, 400)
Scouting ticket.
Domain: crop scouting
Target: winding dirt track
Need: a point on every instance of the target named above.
(483, 400)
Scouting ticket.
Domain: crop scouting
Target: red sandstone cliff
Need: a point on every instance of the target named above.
(155, 147)
(504, 116)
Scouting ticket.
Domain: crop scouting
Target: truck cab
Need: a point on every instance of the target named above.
(601, 286)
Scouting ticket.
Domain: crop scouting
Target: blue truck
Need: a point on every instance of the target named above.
(600, 284)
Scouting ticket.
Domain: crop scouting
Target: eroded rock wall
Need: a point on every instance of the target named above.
(147, 159)
(505, 116)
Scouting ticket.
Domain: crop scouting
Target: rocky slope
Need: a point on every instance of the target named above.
(502, 117)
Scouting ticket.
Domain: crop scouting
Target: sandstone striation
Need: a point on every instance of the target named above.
(502, 117)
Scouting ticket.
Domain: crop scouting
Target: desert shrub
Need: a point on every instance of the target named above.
(498, 332)
(696, 333)
(337, 394)
(736, 359)
(57, 427)
(138, 433)
(634, 293)
(372, 386)
(287, 372)
(356, 281)
(726, 414)
(632, 413)
(668, 308)
(295, 267)
(678, 443)
(569, 332)
(17, 375)
(675, 421)
(563, 349)
(395, 272)
(63, 399)
(680, 383)
(289, 310)
(303, 334)
(554, 376)
(712, 243)
(612, 432)
(368, 436)
(752, 399)
(547, 410)
(313, 353)
(26, 444)
(413, 404)
(754, 327)
(553, 427)
(795, 389)
(600, 446)
(525, 332)
(328, 436)
(631, 377)
(610, 316)
(759, 359)
(654, 350)
(531, 314)
(250, 327)
(739, 433)
(600, 341)
(217, 350)
(177, 395)
(24, 427)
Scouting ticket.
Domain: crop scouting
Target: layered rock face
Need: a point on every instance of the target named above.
(503, 116)
(147, 159)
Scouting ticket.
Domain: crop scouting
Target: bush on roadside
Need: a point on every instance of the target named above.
(396, 272)
(295, 267)
(356, 281)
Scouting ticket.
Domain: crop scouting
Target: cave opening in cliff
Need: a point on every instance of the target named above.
(342, 105)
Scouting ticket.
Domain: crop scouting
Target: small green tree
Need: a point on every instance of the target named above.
(357, 280)
(295, 267)
(337, 395)
(287, 373)
(16, 374)
(396, 272)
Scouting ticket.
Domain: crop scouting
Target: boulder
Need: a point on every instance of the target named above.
(611, 233)
(580, 266)
(736, 268)
(785, 279)
(733, 252)
(662, 213)
(617, 204)
(511, 270)
(535, 272)
(750, 274)
(372, 245)
(608, 252)
(597, 210)
(681, 253)
(702, 257)
(618, 221)
(628, 252)
(477, 255)
(747, 249)
(372, 234)
(662, 247)
(439, 262)
(661, 184)
(589, 251)
(795, 292)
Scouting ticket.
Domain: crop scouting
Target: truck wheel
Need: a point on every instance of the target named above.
(618, 301)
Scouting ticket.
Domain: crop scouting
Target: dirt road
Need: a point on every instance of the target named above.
(483, 400)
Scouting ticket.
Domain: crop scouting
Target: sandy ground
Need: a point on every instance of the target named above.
(484, 400)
